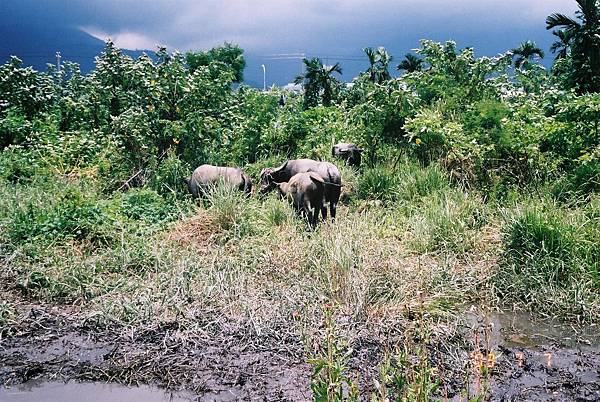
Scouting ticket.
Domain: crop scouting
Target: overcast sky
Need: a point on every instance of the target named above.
(333, 28)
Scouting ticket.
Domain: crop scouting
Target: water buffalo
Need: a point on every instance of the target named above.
(330, 174)
(208, 175)
(348, 152)
(305, 191)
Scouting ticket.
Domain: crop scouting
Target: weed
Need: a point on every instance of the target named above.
(330, 381)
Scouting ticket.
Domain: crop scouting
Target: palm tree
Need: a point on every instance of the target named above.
(372, 56)
(525, 53)
(562, 45)
(379, 61)
(584, 43)
(318, 81)
(384, 64)
(410, 64)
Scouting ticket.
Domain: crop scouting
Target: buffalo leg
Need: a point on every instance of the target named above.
(314, 215)
(333, 208)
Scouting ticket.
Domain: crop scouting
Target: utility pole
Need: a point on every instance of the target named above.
(58, 61)
(264, 78)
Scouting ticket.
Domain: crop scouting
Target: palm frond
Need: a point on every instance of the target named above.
(562, 21)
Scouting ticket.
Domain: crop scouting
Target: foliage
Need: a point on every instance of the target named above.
(457, 74)
(24, 89)
(525, 54)
(330, 365)
(485, 175)
(230, 54)
(379, 113)
(410, 64)
(320, 86)
(379, 60)
(549, 247)
(561, 47)
(583, 40)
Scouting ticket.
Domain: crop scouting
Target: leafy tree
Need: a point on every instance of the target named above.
(384, 62)
(562, 45)
(458, 77)
(525, 54)
(231, 55)
(584, 42)
(378, 113)
(111, 83)
(319, 82)
(24, 88)
(410, 64)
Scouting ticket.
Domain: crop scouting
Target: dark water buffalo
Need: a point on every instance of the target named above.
(348, 152)
(207, 175)
(330, 174)
(306, 192)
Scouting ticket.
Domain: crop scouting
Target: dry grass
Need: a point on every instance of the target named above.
(198, 231)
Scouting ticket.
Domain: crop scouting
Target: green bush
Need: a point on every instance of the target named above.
(166, 175)
(19, 165)
(578, 185)
(14, 128)
(72, 215)
(145, 205)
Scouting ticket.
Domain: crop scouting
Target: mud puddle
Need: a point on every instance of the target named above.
(35, 391)
(540, 360)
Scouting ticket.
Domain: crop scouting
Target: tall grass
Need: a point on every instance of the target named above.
(551, 258)
(402, 180)
(447, 221)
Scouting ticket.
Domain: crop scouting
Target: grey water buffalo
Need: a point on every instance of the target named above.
(348, 152)
(306, 192)
(330, 174)
(207, 175)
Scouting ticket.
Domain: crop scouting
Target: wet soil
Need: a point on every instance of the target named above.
(36, 391)
(542, 360)
(537, 360)
(59, 346)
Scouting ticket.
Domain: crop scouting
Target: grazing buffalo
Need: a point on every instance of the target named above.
(348, 152)
(306, 192)
(330, 174)
(207, 175)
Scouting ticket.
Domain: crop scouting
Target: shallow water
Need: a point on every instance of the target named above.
(34, 391)
(539, 360)
(522, 330)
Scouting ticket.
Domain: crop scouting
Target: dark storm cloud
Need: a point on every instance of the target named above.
(292, 25)
(335, 30)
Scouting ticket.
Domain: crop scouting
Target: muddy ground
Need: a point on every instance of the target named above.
(53, 344)
(535, 362)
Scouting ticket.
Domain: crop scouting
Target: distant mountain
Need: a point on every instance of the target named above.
(37, 46)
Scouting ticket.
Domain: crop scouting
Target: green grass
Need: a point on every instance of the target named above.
(551, 258)
(230, 263)
(400, 181)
